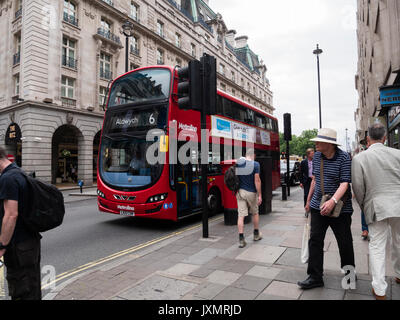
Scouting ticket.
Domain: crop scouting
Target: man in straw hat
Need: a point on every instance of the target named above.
(335, 166)
(376, 184)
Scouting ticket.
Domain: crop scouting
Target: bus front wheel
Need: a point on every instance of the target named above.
(214, 201)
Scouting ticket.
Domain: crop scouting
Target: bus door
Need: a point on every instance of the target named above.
(188, 188)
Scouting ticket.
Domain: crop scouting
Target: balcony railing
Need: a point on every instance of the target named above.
(16, 58)
(69, 62)
(205, 25)
(70, 19)
(105, 74)
(135, 50)
(109, 2)
(68, 102)
(108, 35)
(18, 13)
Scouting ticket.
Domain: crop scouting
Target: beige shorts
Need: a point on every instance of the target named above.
(247, 203)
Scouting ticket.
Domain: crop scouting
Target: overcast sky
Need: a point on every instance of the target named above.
(284, 34)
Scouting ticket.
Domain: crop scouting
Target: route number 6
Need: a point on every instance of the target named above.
(151, 119)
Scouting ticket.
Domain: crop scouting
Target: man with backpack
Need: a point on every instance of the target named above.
(249, 195)
(19, 245)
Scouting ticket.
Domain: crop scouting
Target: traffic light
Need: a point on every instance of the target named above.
(287, 126)
(209, 64)
(190, 86)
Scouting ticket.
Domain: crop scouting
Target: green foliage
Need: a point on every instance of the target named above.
(299, 144)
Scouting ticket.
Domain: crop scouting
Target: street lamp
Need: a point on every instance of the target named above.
(317, 52)
(127, 29)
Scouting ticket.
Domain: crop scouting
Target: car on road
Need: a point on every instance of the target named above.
(294, 170)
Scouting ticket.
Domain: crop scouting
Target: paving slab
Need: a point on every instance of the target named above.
(223, 277)
(232, 293)
(283, 289)
(207, 290)
(264, 272)
(203, 256)
(181, 269)
(355, 296)
(291, 275)
(252, 283)
(262, 253)
(322, 294)
(279, 227)
(291, 257)
(158, 287)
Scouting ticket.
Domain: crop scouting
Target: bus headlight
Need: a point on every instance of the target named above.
(157, 198)
(100, 194)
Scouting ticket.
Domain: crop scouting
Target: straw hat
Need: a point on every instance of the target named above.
(326, 135)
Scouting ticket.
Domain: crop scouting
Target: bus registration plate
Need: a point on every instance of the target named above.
(127, 213)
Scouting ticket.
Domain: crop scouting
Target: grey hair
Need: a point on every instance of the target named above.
(377, 131)
(3, 154)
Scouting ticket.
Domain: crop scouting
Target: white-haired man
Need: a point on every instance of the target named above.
(376, 185)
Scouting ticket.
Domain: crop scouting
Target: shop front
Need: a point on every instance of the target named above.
(390, 103)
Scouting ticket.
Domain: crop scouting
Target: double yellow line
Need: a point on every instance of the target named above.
(119, 254)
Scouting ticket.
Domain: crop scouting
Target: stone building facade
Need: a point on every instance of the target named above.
(59, 57)
(378, 33)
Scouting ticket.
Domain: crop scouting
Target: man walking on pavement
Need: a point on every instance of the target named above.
(306, 173)
(332, 167)
(376, 185)
(249, 195)
(19, 246)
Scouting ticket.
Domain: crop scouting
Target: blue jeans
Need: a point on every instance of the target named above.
(363, 223)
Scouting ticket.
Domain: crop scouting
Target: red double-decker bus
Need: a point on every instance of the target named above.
(145, 100)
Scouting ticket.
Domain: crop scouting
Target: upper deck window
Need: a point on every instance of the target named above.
(141, 86)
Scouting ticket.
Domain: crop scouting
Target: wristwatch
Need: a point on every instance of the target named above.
(2, 246)
(334, 200)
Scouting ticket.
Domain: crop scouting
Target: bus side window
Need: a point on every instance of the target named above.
(275, 125)
(250, 117)
(227, 107)
(220, 109)
(269, 124)
(260, 121)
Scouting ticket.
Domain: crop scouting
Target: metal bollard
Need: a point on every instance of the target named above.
(284, 195)
(80, 184)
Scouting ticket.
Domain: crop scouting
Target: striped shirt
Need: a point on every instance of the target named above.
(336, 171)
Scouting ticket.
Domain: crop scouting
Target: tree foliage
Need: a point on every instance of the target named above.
(299, 144)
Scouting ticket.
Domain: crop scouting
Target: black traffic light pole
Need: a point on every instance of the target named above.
(209, 98)
(204, 165)
(288, 137)
(197, 90)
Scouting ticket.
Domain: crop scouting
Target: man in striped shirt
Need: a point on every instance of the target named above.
(336, 177)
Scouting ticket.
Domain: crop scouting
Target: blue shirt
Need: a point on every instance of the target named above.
(336, 171)
(247, 170)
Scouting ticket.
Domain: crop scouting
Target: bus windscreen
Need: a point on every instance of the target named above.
(141, 86)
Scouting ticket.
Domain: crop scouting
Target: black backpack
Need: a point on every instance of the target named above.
(231, 179)
(44, 209)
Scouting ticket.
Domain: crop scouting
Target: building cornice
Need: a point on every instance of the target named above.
(50, 106)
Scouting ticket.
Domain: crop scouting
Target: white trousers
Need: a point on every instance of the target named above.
(379, 234)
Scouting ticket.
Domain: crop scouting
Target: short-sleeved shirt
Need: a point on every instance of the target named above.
(247, 180)
(13, 186)
(336, 171)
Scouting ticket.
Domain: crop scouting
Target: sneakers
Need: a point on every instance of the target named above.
(257, 237)
(242, 243)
